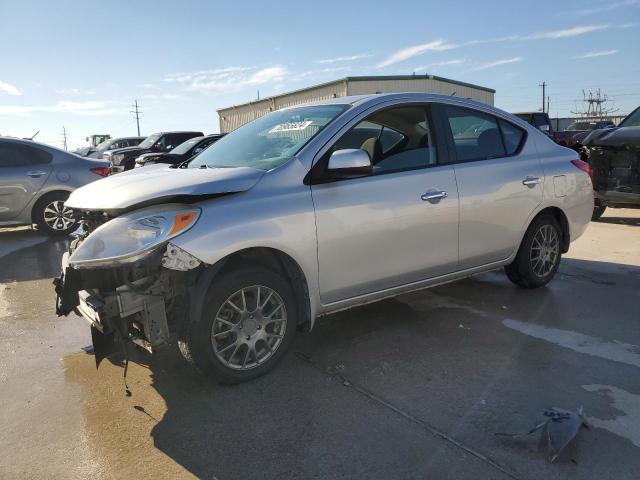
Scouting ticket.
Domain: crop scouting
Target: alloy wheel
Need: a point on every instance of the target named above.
(249, 327)
(57, 216)
(545, 249)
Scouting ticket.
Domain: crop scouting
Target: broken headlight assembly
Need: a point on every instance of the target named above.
(132, 236)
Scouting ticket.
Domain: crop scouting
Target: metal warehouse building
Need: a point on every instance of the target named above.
(237, 115)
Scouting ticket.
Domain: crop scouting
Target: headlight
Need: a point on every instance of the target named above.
(117, 158)
(130, 237)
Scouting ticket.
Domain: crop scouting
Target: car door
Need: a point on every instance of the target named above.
(499, 178)
(392, 227)
(23, 171)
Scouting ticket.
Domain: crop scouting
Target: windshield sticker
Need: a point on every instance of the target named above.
(291, 126)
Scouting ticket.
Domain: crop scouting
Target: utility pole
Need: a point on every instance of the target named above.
(64, 137)
(544, 93)
(548, 102)
(136, 113)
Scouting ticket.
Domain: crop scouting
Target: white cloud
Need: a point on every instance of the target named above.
(598, 53)
(74, 91)
(349, 58)
(77, 108)
(568, 32)
(607, 7)
(9, 89)
(497, 63)
(410, 52)
(457, 61)
(229, 78)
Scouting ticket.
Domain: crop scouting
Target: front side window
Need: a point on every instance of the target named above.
(476, 135)
(396, 139)
(269, 141)
(149, 141)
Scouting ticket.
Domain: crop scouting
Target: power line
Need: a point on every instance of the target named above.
(136, 112)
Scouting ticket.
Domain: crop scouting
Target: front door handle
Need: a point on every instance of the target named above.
(433, 196)
(531, 181)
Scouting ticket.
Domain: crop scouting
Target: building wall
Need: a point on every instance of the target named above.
(363, 87)
(236, 116)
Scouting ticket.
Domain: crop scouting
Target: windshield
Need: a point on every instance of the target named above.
(150, 140)
(105, 145)
(632, 120)
(185, 146)
(269, 141)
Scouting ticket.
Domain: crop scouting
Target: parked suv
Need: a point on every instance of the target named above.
(542, 122)
(181, 153)
(125, 158)
(614, 157)
(314, 209)
(35, 181)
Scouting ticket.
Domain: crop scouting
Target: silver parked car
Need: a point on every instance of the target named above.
(35, 181)
(314, 209)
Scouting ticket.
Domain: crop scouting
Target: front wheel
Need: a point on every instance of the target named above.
(539, 255)
(247, 324)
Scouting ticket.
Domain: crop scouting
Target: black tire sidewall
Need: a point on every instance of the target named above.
(598, 210)
(38, 213)
(223, 287)
(524, 267)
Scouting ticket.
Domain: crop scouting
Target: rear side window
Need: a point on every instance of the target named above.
(17, 155)
(512, 136)
(476, 135)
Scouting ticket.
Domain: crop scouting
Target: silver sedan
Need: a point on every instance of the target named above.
(314, 209)
(36, 180)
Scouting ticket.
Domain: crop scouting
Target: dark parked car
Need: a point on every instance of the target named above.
(572, 137)
(125, 158)
(614, 157)
(181, 153)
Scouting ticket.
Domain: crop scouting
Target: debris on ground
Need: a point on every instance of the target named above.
(559, 427)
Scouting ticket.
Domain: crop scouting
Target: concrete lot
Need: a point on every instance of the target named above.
(414, 387)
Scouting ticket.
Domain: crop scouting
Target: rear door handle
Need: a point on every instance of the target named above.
(433, 196)
(531, 181)
(36, 173)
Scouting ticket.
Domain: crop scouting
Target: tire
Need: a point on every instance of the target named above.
(598, 210)
(528, 270)
(228, 357)
(52, 217)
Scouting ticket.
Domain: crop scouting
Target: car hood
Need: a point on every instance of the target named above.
(145, 157)
(160, 184)
(614, 137)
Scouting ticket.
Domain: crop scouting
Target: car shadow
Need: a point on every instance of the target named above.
(28, 255)
(298, 421)
(632, 221)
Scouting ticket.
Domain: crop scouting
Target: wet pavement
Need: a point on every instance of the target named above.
(412, 387)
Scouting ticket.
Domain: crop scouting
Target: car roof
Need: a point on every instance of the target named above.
(376, 98)
(25, 141)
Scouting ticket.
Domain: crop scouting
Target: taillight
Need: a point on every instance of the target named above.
(582, 165)
(102, 171)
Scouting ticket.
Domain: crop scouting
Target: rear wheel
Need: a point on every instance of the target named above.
(52, 216)
(598, 210)
(248, 322)
(539, 255)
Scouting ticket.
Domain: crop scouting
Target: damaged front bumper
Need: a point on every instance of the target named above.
(140, 303)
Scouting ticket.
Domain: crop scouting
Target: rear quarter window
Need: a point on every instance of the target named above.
(513, 136)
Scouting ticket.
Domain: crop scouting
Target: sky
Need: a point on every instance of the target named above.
(81, 64)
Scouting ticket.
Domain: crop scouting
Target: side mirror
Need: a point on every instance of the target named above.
(349, 162)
